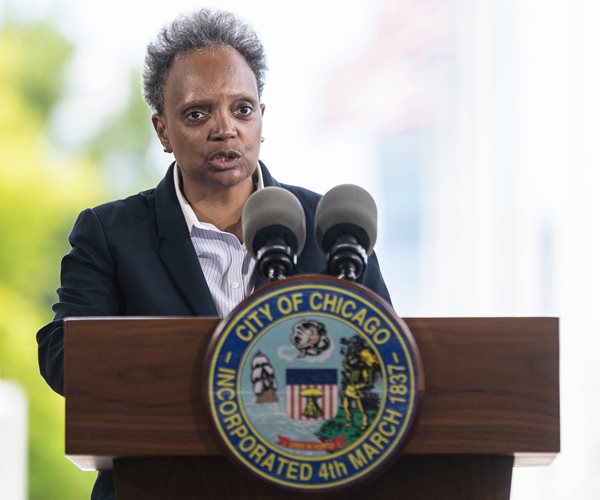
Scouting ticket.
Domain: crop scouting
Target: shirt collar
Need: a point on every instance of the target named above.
(188, 212)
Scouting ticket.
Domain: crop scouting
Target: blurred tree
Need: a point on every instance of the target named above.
(36, 73)
(41, 190)
(121, 147)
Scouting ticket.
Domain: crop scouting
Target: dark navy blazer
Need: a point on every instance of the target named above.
(134, 257)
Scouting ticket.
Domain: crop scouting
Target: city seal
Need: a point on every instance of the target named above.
(312, 383)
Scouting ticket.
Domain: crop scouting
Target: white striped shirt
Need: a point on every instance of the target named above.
(227, 267)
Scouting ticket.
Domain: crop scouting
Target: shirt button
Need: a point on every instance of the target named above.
(235, 285)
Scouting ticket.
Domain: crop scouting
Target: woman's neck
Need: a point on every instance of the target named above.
(223, 207)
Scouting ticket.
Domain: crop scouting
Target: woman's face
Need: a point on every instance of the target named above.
(212, 118)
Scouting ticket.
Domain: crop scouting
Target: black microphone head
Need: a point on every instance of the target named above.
(273, 212)
(346, 209)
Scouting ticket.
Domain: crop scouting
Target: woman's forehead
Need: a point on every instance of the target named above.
(209, 72)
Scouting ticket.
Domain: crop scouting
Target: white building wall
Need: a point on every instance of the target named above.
(13, 441)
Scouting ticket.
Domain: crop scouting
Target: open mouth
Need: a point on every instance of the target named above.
(224, 159)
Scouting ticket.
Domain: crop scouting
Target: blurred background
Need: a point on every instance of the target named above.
(474, 124)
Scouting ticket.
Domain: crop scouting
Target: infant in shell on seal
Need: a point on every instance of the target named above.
(310, 338)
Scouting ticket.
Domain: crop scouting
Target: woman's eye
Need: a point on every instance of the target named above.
(245, 110)
(195, 115)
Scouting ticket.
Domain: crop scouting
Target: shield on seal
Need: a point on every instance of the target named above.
(311, 394)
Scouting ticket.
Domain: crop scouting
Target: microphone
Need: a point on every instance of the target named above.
(274, 230)
(346, 230)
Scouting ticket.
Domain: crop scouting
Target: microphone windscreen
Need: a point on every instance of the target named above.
(273, 211)
(346, 209)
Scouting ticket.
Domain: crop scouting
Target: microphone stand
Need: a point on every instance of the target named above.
(276, 260)
(347, 259)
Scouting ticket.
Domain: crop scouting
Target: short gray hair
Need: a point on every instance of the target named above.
(198, 30)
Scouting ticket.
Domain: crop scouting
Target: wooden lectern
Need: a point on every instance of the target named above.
(134, 403)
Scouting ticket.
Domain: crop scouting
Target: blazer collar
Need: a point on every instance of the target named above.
(267, 177)
(176, 250)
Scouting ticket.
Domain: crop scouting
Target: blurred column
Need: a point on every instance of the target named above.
(13, 441)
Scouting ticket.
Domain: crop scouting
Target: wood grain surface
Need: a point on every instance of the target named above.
(412, 477)
(133, 388)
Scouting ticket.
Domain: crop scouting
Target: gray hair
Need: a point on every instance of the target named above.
(199, 30)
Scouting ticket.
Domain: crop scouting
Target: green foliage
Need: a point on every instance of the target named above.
(120, 148)
(41, 190)
(51, 475)
(34, 53)
(336, 426)
(129, 131)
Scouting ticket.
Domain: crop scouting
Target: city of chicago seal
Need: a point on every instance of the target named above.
(312, 383)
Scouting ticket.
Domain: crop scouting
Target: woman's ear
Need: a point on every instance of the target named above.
(160, 126)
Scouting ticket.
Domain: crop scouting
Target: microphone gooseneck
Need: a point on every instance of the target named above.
(346, 230)
(274, 230)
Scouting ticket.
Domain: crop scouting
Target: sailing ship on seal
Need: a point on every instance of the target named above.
(263, 379)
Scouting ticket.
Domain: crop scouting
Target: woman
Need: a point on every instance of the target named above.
(177, 250)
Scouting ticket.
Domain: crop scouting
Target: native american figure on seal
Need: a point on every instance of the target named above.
(361, 370)
(310, 338)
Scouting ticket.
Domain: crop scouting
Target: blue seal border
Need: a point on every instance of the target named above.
(401, 374)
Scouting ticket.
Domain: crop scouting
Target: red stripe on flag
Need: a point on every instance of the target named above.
(296, 404)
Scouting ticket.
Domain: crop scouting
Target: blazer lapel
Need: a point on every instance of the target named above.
(176, 250)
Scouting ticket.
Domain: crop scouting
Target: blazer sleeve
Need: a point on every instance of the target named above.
(88, 288)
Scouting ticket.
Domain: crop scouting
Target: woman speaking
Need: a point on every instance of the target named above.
(177, 249)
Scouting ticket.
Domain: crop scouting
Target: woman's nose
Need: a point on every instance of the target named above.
(223, 127)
